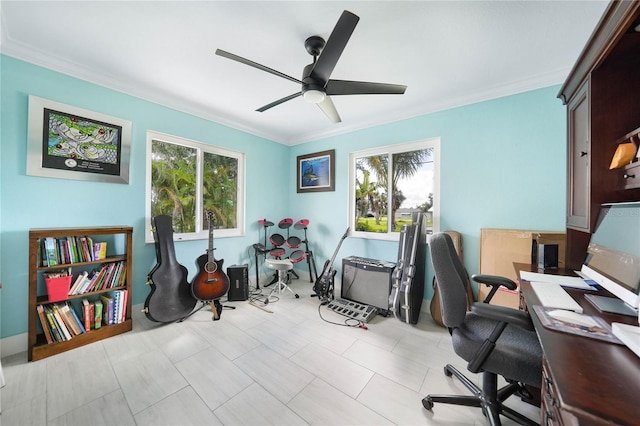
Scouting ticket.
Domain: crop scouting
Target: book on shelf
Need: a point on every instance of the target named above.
(107, 309)
(97, 309)
(51, 254)
(88, 283)
(44, 323)
(122, 279)
(63, 250)
(53, 326)
(108, 276)
(78, 283)
(76, 318)
(59, 321)
(114, 279)
(83, 250)
(87, 314)
(64, 320)
(60, 326)
(100, 250)
(123, 307)
(71, 249)
(99, 278)
(116, 306)
(119, 305)
(72, 252)
(60, 309)
(70, 318)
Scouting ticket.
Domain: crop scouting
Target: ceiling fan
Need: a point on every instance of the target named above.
(316, 85)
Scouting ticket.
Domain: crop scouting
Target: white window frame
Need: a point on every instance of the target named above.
(201, 232)
(393, 149)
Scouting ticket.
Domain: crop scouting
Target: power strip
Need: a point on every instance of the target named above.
(355, 310)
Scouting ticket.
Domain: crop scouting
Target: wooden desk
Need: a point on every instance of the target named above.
(585, 381)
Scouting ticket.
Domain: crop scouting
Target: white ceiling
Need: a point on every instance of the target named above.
(448, 53)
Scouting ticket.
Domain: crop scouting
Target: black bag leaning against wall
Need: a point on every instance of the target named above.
(436, 313)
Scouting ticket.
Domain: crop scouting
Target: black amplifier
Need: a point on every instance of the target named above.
(238, 282)
(367, 281)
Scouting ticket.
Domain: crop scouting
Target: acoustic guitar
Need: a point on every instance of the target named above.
(170, 298)
(211, 282)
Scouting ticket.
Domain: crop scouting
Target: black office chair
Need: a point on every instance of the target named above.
(494, 340)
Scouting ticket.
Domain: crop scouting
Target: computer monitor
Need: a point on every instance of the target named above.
(613, 257)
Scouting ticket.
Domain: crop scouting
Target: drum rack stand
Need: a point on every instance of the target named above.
(261, 250)
(310, 259)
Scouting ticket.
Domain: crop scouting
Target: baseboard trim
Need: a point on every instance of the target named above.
(13, 345)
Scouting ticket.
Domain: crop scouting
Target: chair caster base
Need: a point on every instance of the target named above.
(447, 371)
(427, 403)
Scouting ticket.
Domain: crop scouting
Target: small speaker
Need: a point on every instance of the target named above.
(547, 256)
(238, 282)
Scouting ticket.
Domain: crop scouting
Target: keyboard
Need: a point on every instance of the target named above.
(355, 310)
(552, 295)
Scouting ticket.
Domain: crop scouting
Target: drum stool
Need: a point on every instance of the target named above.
(282, 267)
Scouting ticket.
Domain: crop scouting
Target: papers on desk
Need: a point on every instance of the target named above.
(552, 295)
(629, 334)
(573, 282)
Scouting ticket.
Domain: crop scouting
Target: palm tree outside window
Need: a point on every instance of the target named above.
(186, 179)
(389, 184)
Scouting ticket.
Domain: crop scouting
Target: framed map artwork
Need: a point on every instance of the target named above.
(72, 143)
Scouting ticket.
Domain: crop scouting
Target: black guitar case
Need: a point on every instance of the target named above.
(170, 299)
(411, 285)
(394, 296)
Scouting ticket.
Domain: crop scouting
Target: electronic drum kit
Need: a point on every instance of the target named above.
(292, 242)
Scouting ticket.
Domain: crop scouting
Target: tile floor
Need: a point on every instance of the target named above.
(250, 368)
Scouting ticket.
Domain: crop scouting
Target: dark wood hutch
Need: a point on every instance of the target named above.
(602, 94)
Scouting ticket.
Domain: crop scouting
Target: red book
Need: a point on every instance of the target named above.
(86, 313)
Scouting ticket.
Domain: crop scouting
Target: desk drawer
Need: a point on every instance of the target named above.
(550, 406)
(629, 177)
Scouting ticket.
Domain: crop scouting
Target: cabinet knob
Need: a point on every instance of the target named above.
(628, 176)
(583, 153)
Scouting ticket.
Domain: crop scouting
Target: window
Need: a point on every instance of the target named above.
(389, 184)
(185, 179)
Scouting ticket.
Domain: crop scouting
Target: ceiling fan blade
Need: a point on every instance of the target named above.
(329, 110)
(345, 87)
(335, 45)
(279, 101)
(255, 65)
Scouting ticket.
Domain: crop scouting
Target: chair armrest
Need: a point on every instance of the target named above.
(502, 313)
(504, 316)
(494, 281)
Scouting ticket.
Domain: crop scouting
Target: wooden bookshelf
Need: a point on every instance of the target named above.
(38, 348)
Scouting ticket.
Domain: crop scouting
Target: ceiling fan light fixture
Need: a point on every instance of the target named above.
(314, 96)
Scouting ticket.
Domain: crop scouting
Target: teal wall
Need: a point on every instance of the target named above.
(502, 165)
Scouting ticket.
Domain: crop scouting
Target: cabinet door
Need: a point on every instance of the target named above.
(578, 156)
